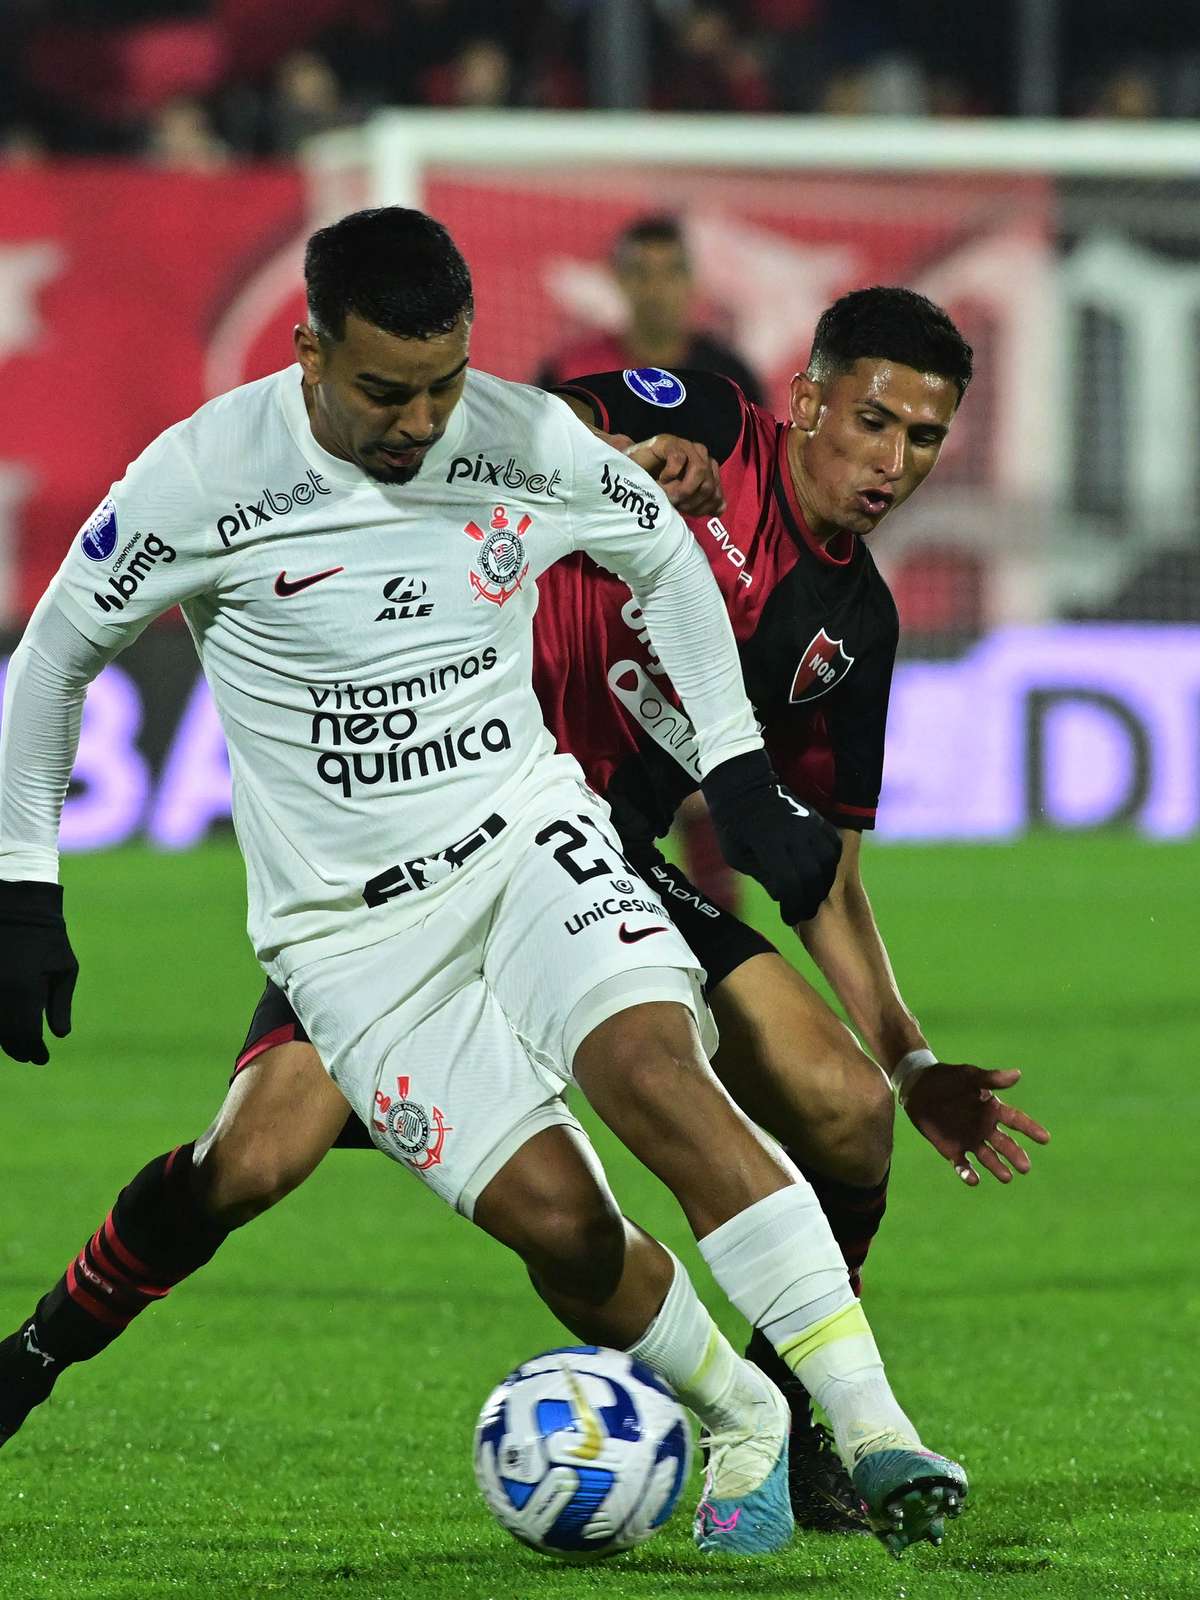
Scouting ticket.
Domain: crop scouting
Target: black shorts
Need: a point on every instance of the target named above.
(721, 942)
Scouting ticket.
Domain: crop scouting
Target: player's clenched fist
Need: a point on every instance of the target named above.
(766, 832)
(37, 969)
(684, 470)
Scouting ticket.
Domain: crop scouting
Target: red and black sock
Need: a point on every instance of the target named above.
(853, 1213)
(158, 1233)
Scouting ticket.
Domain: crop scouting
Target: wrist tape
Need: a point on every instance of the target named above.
(908, 1069)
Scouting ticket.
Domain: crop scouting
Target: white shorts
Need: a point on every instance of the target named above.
(454, 1039)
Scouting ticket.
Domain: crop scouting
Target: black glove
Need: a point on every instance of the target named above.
(37, 969)
(765, 831)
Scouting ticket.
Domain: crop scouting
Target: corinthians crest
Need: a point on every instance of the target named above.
(500, 558)
(414, 1134)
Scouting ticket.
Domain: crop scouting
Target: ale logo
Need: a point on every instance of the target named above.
(405, 598)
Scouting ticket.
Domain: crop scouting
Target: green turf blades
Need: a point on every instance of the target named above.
(296, 1419)
(908, 1495)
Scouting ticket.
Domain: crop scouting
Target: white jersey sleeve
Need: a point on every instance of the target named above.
(625, 523)
(44, 690)
(142, 551)
(137, 555)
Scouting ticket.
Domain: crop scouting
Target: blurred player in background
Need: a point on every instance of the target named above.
(653, 272)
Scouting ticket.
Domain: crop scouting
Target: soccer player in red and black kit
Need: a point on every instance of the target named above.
(817, 630)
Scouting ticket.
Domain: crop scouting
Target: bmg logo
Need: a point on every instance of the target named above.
(126, 584)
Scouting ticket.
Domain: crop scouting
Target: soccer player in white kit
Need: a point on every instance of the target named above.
(354, 544)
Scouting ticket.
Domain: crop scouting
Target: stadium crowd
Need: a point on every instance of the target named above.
(195, 83)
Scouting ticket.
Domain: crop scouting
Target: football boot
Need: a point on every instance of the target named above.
(744, 1508)
(908, 1493)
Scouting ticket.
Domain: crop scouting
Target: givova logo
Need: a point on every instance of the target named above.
(126, 584)
(271, 504)
(690, 896)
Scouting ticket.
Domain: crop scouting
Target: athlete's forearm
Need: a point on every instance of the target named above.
(44, 693)
(628, 526)
(693, 638)
(844, 941)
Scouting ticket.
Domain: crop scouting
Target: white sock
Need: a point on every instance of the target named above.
(838, 1362)
(684, 1345)
(778, 1263)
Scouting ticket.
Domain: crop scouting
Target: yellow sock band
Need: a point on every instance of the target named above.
(843, 1324)
(711, 1353)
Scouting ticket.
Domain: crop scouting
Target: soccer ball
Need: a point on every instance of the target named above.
(582, 1452)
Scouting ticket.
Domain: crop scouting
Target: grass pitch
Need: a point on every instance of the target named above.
(296, 1420)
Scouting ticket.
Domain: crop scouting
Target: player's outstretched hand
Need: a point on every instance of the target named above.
(954, 1105)
(684, 471)
(37, 969)
(765, 831)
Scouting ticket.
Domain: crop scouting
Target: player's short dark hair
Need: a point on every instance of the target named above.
(397, 269)
(890, 324)
(658, 229)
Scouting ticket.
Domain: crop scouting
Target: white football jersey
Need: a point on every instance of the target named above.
(368, 646)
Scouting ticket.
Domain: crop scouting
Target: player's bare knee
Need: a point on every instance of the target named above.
(855, 1134)
(579, 1249)
(244, 1176)
(652, 1058)
(879, 1117)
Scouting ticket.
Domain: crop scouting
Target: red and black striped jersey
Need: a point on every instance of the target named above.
(816, 625)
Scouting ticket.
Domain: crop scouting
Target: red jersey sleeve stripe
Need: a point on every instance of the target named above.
(593, 399)
(855, 811)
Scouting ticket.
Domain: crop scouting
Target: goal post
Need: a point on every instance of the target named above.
(399, 145)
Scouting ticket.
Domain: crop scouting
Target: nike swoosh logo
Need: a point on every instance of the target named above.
(593, 1435)
(284, 586)
(627, 936)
